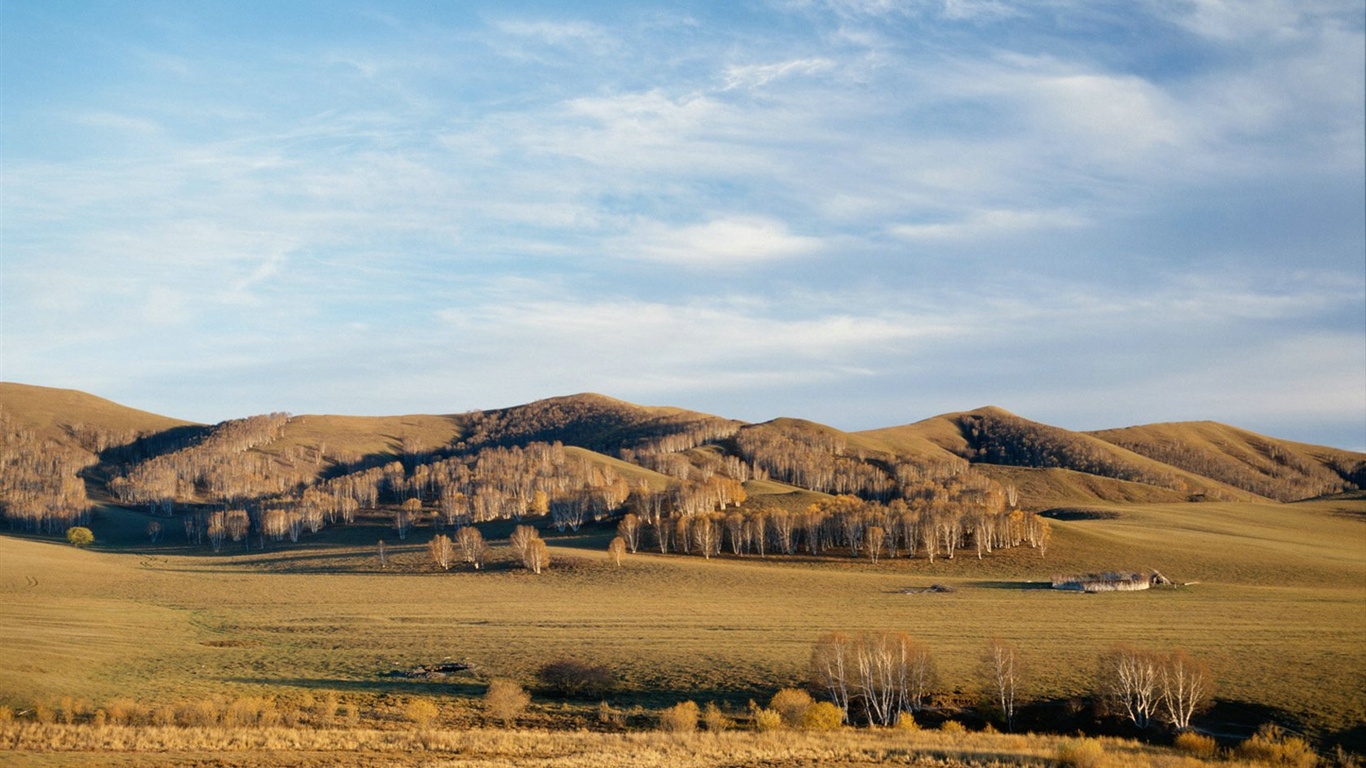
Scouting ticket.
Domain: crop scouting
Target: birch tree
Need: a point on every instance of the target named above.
(442, 551)
(1186, 688)
(473, 550)
(1001, 668)
(1130, 680)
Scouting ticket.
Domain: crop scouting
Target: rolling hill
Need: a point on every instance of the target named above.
(489, 460)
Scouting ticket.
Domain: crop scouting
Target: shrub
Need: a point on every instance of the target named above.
(6, 714)
(1272, 745)
(680, 718)
(714, 718)
(325, 709)
(422, 712)
(766, 720)
(1195, 744)
(953, 727)
(79, 536)
(906, 722)
(123, 712)
(791, 704)
(608, 715)
(575, 679)
(505, 700)
(823, 716)
(1081, 753)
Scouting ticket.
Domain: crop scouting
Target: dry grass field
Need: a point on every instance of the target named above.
(1278, 613)
(487, 748)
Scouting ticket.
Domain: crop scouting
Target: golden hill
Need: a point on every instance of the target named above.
(59, 414)
(996, 437)
(1047, 465)
(1277, 469)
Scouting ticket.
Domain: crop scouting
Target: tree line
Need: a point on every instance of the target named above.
(878, 678)
(41, 488)
(937, 520)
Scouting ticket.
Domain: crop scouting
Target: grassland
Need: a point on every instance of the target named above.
(1279, 613)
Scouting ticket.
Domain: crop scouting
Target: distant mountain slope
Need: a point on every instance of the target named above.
(992, 435)
(596, 422)
(614, 444)
(77, 418)
(351, 439)
(1276, 469)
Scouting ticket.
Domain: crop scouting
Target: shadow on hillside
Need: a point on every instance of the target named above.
(453, 687)
(464, 684)
(1015, 585)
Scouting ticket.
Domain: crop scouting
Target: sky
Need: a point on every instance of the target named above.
(861, 212)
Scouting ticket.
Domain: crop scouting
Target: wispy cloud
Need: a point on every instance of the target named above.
(898, 200)
(726, 242)
(759, 75)
(980, 224)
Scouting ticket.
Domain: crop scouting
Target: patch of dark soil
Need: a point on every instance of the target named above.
(933, 589)
(429, 672)
(1078, 513)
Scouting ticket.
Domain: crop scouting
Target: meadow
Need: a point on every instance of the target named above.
(1278, 613)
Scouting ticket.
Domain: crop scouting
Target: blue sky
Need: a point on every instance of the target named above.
(863, 212)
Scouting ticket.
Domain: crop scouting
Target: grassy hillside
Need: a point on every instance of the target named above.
(59, 413)
(361, 436)
(994, 436)
(1277, 469)
(592, 421)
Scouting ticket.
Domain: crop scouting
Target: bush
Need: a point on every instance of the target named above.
(680, 718)
(505, 700)
(79, 536)
(607, 715)
(906, 722)
(823, 716)
(953, 727)
(575, 680)
(766, 720)
(1195, 744)
(1270, 744)
(791, 704)
(715, 719)
(422, 712)
(1081, 753)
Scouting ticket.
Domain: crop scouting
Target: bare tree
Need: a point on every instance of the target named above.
(442, 551)
(521, 539)
(873, 538)
(1001, 668)
(1130, 683)
(830, 668)
(473, 550)
(1186, 688)
(407, 515)
(537, 556)
(617, 550)
(706, 534)
(629, 530)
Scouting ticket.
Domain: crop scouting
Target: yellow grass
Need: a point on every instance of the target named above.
(25, 744)
(1279, 614)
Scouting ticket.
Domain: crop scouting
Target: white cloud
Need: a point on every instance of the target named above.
(990, 223)
(760, 75)
(727, 242)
